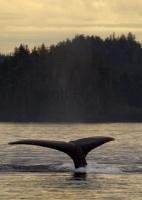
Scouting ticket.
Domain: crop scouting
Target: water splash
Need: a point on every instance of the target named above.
(68, 167)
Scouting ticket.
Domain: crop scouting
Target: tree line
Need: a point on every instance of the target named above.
(86, 78)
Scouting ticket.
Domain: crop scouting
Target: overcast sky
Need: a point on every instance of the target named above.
(33, 22)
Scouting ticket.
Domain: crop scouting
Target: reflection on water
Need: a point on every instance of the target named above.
(114, 171)
(63, 186)
(78, 176)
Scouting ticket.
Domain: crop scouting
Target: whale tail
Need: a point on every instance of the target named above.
(77, 149)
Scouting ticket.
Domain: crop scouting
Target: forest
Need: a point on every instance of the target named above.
(84, 79)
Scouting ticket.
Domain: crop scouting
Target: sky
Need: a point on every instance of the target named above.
(34, 22)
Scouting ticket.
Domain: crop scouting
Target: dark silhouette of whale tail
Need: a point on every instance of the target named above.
(77, 149)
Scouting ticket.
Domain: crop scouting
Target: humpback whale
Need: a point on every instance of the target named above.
(77, 149)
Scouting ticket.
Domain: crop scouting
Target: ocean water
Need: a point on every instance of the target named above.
(114, 170)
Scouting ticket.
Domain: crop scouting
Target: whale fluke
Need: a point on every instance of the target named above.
(76, 149)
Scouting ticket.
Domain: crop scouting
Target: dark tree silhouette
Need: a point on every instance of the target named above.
(84, 79)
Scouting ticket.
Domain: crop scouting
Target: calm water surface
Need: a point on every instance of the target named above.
(114, 170)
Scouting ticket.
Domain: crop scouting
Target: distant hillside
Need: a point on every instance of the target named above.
(83, 79)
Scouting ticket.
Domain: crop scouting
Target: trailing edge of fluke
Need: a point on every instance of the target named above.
(77, 149)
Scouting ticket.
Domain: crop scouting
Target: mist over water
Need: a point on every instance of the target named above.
(114, 170)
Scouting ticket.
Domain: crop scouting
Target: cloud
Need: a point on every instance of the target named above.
(43, 13)
(40, 17)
